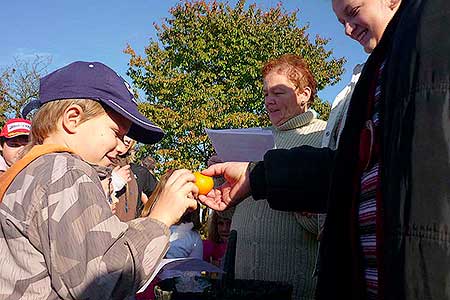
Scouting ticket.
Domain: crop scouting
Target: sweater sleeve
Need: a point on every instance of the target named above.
(301, 173)
(89, 252)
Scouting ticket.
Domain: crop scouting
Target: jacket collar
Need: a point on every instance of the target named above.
(37, 151)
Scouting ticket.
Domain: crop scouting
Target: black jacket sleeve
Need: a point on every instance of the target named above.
(294, 179)
(146, 180)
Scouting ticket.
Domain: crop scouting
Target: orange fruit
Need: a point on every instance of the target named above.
(204, 183)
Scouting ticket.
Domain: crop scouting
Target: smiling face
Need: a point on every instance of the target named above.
(99, 140)
(365, 20)
(282, 99)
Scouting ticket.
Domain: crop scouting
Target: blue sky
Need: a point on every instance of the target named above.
(98, 30)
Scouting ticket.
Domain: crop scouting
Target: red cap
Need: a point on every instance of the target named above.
(16, 127)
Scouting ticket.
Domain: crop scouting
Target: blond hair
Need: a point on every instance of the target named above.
(148, 206)
(46, 118)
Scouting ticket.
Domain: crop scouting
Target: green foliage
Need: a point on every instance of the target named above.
(3, 103)
(19, 83)
(323, 108)
(204, 72)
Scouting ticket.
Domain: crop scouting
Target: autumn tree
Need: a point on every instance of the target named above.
(19, 83)
(3, 104)
(204, 72)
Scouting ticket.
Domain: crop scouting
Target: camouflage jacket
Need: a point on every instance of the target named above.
(59, 239)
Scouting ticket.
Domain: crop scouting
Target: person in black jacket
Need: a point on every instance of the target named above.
(146, 182)
(386, 188)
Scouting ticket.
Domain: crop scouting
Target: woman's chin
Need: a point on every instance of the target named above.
(275, 118)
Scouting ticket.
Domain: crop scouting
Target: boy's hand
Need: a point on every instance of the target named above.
(176, 197)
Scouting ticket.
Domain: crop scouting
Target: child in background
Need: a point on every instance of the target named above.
(126, 193)
(13, 137)
(215, 246)
(58, 237)
(185, 241)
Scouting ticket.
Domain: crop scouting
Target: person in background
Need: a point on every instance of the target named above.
(58, 237)
(13, 138)
(338, 113)
(150, 163)
(126, 192)
(385, 189)
(215, 246)
(185, 241)
(275, 245)
(132, 184)
(146, 180)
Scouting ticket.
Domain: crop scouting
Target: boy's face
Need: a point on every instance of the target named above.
(99, 140)
(365, 20)
(11, 148)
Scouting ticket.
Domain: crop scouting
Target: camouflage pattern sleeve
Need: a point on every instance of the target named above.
(89, 253)
(59, 239)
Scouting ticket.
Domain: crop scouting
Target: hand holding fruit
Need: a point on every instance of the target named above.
(235, 188)
(176, 196)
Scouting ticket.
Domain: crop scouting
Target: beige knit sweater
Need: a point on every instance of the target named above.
(274, 245)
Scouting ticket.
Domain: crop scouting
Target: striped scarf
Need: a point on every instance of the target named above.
(369, 196)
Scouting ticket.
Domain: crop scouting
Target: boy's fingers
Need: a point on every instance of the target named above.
(185, 182)
(189, 189)
(180, 176)
(192, 203)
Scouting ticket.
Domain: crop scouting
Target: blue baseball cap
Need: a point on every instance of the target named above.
(96, 81)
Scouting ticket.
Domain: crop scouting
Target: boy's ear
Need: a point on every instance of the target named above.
(72, 117)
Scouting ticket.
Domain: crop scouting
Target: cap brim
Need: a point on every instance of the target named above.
(30, 106)
(141, 130)
(15, 134)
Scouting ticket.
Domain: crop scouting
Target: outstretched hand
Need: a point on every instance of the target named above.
(235, 189)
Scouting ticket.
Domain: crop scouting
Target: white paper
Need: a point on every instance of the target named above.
(247, 144)
(181, 264)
